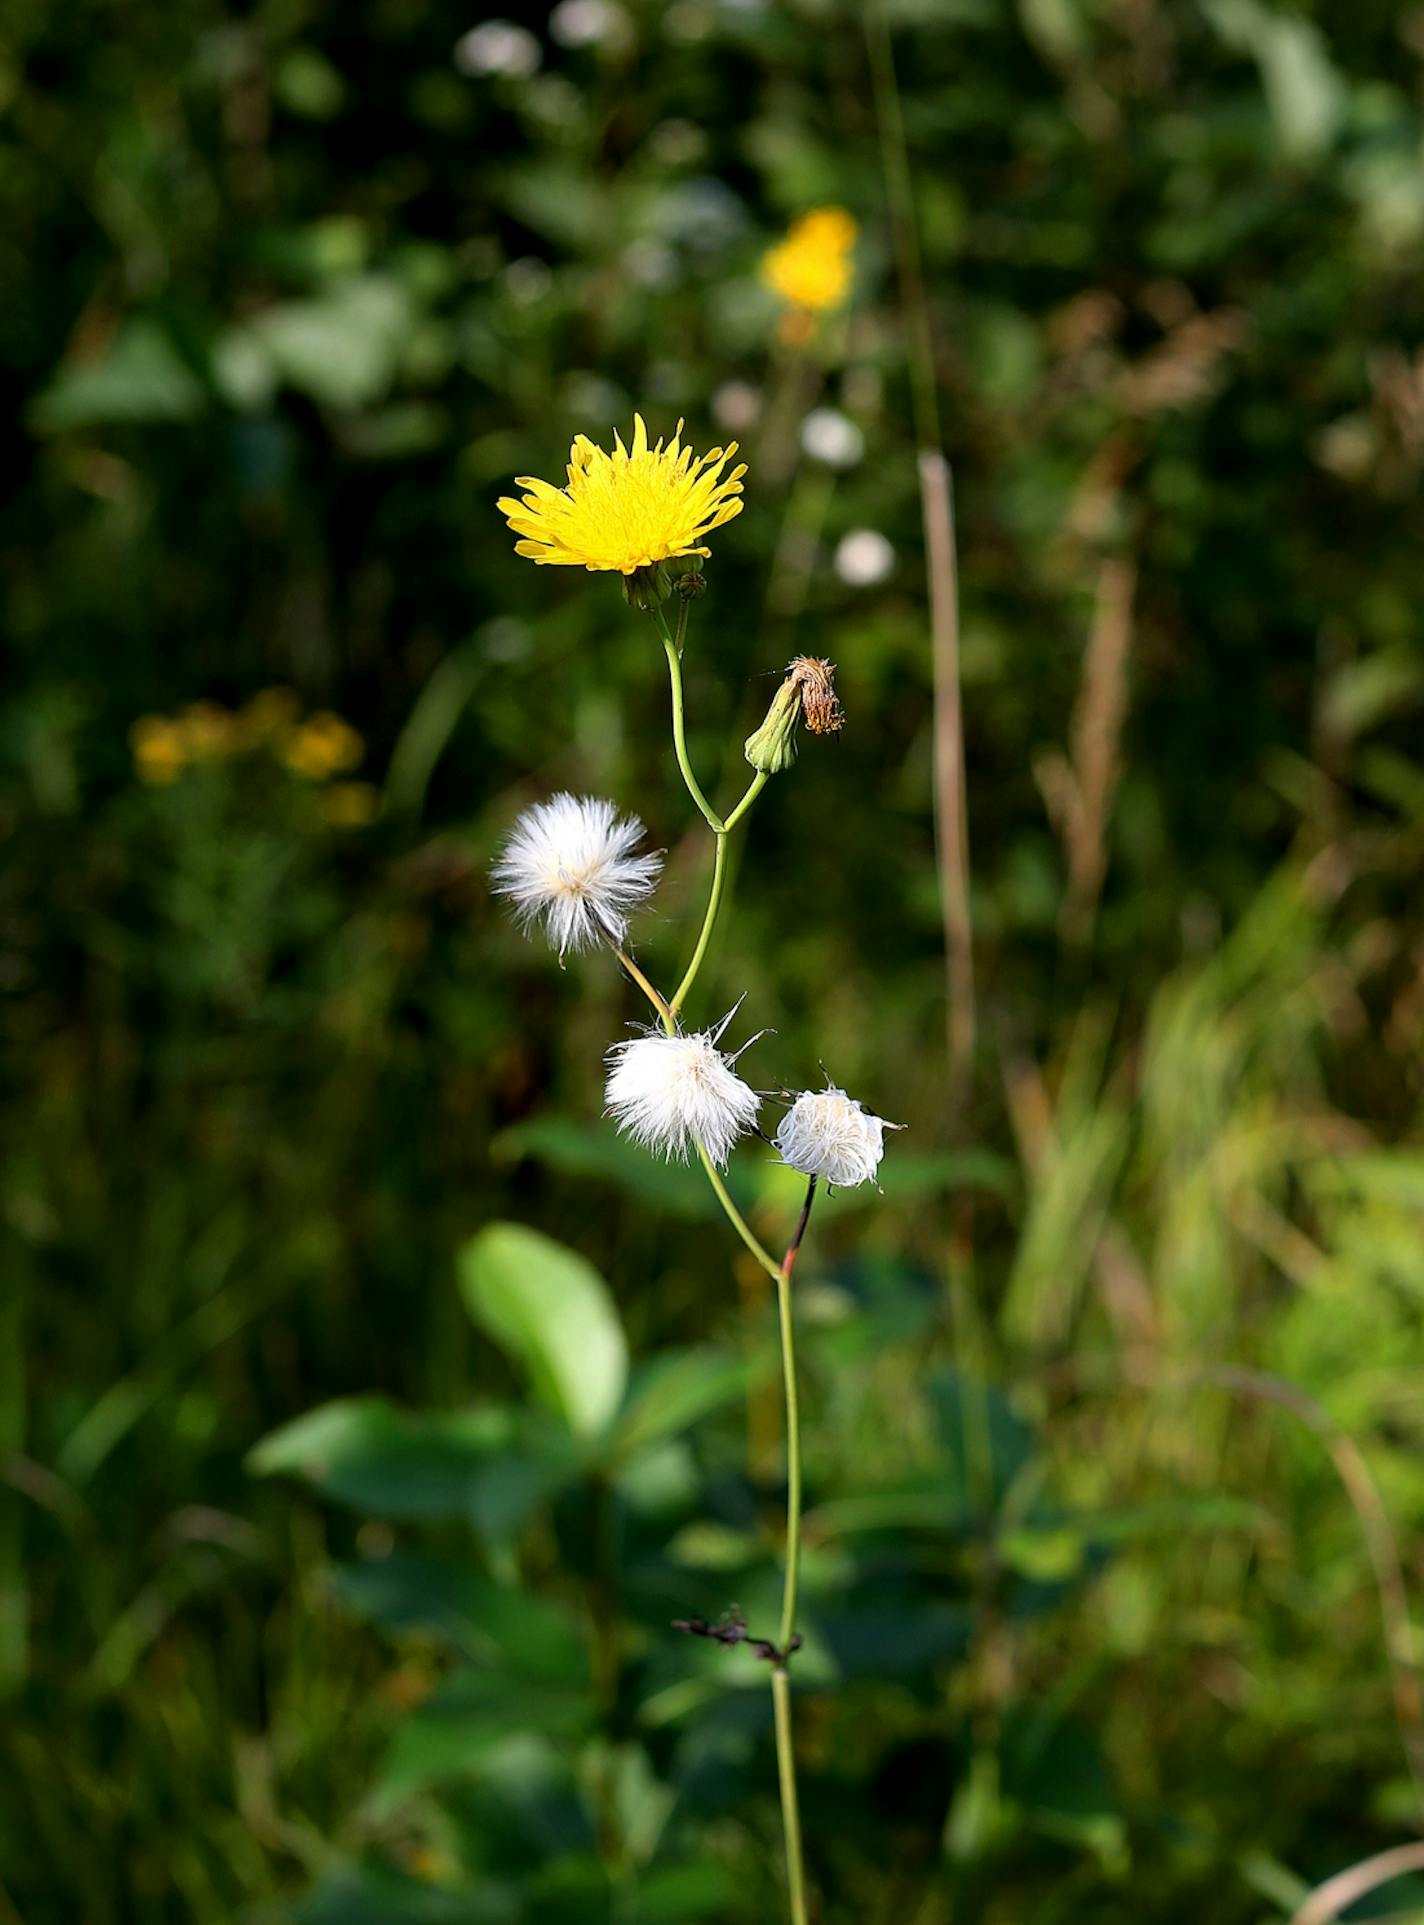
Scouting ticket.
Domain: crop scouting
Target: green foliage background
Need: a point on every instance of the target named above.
(1093, 1631)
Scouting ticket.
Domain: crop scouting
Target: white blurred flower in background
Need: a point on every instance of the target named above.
(832, 438)
(584, 23)
(736, 406)
(498, 47)
(864, 557)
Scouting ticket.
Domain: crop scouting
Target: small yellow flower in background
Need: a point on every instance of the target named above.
(159, 750)
(350, 805)
(322, 747)
(270, 713)
(812, 268)
(209, 731)
(629, 510)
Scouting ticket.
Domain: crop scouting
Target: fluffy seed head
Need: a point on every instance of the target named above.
(668, 1092)
(629, 510)
(828, 1134)
(570, 863)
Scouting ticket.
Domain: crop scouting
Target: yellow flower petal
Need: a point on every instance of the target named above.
(627, 510)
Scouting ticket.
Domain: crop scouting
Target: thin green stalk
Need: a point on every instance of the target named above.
(786, 1775)
(754, 789)
(780, 1675)
(679, 733)
(736, 1219)
(714, 903)
(793, 1424)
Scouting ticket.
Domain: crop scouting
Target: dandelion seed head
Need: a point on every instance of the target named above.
(828, 1134)
(570, 863)
(669, 1092)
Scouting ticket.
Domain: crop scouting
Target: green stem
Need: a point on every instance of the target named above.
(736, 1219)
(793, 1424)
(786, 1775)
(754, 789)
(679, 733)
(780, 1676)
(714, 903)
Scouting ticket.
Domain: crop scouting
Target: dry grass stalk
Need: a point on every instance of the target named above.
(951, 795)
(1079, 792)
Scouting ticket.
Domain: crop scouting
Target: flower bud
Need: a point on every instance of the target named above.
(647, 588)
(772, 747)
(808, 695)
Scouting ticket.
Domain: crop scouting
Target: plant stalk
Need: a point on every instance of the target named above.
(780, 1674)
(679, 731)
(786, 1775)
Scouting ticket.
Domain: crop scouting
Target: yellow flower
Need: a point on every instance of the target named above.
(812, 267)
(269, 714)
(349, 805)
(629, 510)
(159, 750)
(322, 746)
(208, 731)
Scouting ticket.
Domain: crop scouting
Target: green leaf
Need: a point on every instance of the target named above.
(526, 1636)
(676, 1390)
(684, 1894)
(575, 1149)
(469, 1722)
(366, 1452)
(342, 347)
(552, 1313)
(142, 377)
(372, 1895)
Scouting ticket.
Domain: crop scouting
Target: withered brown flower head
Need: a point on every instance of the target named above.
(820, 705)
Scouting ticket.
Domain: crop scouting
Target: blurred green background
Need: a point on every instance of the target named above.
(1113, 1399)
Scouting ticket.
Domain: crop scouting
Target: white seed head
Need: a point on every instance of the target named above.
(668, 1092)
(832, 438)
(498, 47)
(864, 557)
(828, 1134)
(570, 863)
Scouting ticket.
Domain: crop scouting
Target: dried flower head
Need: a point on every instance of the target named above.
(670, 1092)
(627, 511)
(806, 695)
(820, 705)
(811, 268)
(570, 861)
(828, 1134)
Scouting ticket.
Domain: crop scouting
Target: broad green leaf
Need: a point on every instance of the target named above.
(676, 1390)
(551, 1312)
(577, 1149)
(366, 1452)
(142, 377)
(375, 1895)
(526, 1636)
(342, 347)
(472, 1717)
(685, 1894)
(896, 1640)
